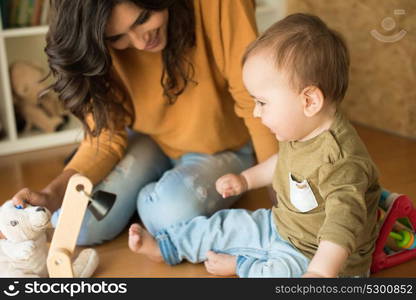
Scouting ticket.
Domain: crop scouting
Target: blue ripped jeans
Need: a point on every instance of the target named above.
(164, 191)
(251, 236)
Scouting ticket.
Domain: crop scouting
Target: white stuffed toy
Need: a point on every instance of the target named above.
(23, 244)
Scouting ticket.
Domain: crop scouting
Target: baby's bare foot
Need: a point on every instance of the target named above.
(221, 264)
(142, 242)
(135, 241)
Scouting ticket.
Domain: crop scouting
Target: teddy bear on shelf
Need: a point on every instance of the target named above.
(45, 113)
(23, 244)
(2, 132)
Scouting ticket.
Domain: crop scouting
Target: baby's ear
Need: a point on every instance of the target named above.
(312, 100)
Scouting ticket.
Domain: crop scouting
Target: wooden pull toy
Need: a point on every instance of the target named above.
(76, 200)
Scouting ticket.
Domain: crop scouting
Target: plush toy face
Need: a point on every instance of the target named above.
(18, 225)
(26, 80)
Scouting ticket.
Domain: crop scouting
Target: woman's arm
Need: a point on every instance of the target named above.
(94, 159)
(238, 30)
(50, 197)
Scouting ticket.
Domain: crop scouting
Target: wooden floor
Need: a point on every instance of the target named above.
(394, 156)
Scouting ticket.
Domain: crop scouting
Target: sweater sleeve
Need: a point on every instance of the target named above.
(97, 156)
(238, 30)
(343, 186)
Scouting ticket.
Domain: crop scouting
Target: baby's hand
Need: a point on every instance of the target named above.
(312, 275)
(231, 185)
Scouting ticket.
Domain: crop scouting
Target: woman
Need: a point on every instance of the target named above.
(170, 72)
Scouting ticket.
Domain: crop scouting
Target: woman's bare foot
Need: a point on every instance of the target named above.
(220, 264)
(142, 242)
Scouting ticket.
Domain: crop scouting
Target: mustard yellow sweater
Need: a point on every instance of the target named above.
(212, 116)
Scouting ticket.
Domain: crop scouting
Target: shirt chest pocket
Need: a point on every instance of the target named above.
(301, 195)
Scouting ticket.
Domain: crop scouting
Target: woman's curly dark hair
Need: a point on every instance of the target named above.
(82, 66)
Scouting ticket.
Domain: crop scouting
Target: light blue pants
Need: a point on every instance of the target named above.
(251, 236)
(164, 191)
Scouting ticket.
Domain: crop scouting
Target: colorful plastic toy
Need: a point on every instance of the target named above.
(399, 210)
(404, 239)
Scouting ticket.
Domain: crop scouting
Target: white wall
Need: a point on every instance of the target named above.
(27, 48)
(269, 11)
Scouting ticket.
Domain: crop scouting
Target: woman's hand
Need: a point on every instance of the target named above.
(50, 197)
(231, 185)
(27, 196)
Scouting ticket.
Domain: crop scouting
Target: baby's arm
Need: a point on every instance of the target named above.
(327, 261)
(255, 177)
(343, 185)
(262, 174)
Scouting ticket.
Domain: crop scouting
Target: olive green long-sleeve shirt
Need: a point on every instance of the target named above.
(327, 189)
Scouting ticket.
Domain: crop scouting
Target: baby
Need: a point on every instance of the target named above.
(324, 223)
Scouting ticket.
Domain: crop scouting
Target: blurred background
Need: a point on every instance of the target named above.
(381, 35)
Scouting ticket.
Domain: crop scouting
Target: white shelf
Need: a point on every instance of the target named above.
(26, 31)
(36, 142)
(26, 44)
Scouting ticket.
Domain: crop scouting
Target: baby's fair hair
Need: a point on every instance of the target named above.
(308, 52)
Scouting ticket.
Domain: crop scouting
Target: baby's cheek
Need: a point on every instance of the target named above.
(270, 123)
